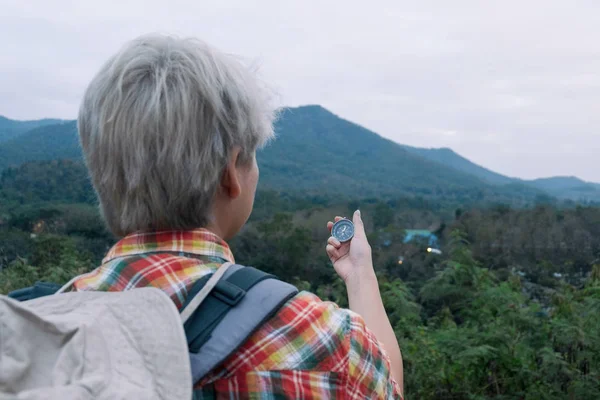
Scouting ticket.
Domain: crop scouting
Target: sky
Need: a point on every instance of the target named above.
(512, 85)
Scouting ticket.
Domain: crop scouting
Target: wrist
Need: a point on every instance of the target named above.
(362, 277)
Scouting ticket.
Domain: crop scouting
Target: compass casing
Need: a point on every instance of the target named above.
(343, 230)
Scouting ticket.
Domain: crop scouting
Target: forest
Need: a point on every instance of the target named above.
(510, 309)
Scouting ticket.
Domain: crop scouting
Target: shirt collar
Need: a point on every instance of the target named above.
(199, 242)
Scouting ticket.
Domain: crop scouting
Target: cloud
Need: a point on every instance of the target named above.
(511, 85)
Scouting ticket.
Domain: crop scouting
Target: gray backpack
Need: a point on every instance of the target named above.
(134, 344)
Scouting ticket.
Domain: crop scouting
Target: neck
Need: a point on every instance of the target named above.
(219, 222)
(217, 230)
(222, 219)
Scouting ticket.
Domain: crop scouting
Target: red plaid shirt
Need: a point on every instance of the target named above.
(310, 350)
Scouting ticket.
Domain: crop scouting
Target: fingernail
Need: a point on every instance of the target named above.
(358, 213)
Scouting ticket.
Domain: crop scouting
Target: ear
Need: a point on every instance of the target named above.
(230, 180)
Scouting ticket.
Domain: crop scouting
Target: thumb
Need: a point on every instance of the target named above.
(359, 227)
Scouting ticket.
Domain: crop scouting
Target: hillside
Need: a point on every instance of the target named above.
(10, 128)
(568, 187)
(450, 158)
(316, 150)
(318, 153)
(562, 183)
(62, 181)
(563, 188)
(51, 142)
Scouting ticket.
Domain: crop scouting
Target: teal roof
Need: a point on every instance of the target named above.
(418, 232)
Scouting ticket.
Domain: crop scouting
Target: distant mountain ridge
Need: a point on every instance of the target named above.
(44, 143)
(12, 128)
(450, 158)
(318, 152)
(568, 187)
(561, 187)
(315, 146)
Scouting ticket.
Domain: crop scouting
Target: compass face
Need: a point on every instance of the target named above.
(343, 230)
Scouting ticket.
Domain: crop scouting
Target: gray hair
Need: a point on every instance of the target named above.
(157, 125)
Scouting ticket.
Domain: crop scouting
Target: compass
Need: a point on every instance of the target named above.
(343, 230)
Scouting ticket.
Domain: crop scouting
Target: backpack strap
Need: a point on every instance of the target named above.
(196, 297)
(226, 295)
(243, 300)
(39, 289)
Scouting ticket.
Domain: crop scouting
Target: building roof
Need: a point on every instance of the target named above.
(419, 232)
(422, 233)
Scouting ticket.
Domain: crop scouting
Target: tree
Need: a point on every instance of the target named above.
(55, 259)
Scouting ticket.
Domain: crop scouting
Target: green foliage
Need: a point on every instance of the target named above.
(468, 334)
(400, 304)
(464, 332)
(283, 249)
(48, 181)
(487, 319)
(44, 143)
(539, 242)
(10, 128)
(54, 259)
(383, 216)
(487, 340)
(14, 243)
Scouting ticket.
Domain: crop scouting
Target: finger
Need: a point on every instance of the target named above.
(338, 218)
(359, 227)
(334, 242)
(332, 252)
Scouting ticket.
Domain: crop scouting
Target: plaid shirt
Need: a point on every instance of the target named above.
(310, 350)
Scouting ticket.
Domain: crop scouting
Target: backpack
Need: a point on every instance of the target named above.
(133, 344)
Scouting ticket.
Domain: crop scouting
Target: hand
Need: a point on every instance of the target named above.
(351, 259)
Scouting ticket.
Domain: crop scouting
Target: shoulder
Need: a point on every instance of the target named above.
(307, 312)
(314, 335)
(343, 343)
(172, 273)
(305, 334)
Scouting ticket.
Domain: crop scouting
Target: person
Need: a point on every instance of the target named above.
(169, 129)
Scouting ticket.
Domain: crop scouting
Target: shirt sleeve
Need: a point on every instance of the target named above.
(369, 368)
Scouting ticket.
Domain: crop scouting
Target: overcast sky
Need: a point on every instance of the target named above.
(511, 85)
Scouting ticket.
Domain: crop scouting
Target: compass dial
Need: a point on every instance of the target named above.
(343, 230)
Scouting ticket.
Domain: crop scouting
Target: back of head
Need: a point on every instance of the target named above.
(157, 124)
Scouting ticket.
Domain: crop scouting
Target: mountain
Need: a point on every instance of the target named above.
(42, 181)
(568, 187)
(10, 128)
(317, 153)
(450, 158)
(562, 183)
(50, 142)
(561, 187)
